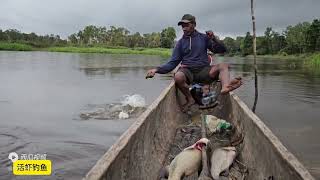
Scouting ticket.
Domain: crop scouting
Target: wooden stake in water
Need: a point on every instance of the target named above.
(254, 58)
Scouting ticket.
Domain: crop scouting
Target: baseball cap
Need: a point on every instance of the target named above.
(187, 18)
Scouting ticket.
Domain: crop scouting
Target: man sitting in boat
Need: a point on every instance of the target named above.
(191, 52)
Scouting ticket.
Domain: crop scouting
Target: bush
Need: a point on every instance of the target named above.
(15, 47)
(314, 60)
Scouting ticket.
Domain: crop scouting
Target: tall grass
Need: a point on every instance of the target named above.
(109, 50)
(314, 61)
(15, 47)
(104, 49)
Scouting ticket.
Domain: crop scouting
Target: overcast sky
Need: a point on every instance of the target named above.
(224, 17)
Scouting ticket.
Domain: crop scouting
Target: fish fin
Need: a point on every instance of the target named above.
(164, 172)
(226, 172)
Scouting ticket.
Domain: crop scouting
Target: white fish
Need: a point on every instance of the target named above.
(221, 160)
(186, 162)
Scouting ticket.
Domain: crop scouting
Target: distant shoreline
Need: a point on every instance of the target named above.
(163, 52)
(310, 59)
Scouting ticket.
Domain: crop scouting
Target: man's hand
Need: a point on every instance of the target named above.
(151, 73)
(210, 34)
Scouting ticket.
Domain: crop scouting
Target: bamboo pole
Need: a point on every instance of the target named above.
(254, 58)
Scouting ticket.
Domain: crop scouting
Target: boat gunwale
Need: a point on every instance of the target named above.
(273, 139)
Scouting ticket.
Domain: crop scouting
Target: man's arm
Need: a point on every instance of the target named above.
(215, 45)
(173, 62)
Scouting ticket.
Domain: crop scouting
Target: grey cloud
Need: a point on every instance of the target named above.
(230, 17)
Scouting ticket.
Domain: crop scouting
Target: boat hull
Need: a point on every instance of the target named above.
(141, 151)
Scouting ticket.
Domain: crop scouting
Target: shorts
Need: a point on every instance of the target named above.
(198, 75)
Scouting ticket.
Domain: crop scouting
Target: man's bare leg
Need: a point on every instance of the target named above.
(223, 70)
(181, 82)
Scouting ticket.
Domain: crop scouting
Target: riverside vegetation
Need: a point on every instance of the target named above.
(299, 41)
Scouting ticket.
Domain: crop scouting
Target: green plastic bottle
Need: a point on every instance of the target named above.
(223, 125)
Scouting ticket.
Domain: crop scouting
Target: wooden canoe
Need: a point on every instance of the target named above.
(141, 151)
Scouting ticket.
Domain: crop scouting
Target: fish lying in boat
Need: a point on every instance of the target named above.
(186, 162)
(221, 160)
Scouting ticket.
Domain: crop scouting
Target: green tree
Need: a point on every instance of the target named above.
(231, 45)
(152, 40)
(3, 36)
(246, 45)
(135, 40)
(117, 36)
(296, 38)
(80, 37)
(73, 39)
(13, 35)
(262, 46)
(268, 40)
(278, 42)
(239, 39)
(33, 37)
(313, 36)
(101, 35)
(90, 34)
(167, 37)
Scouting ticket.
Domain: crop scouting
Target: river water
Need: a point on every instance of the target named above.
(43, 94)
